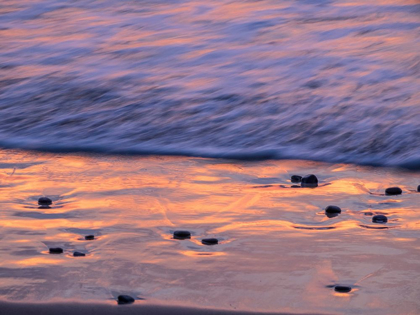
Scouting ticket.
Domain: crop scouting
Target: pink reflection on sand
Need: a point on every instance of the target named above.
(276, 247)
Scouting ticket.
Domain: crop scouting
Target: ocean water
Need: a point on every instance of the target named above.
(330, 80)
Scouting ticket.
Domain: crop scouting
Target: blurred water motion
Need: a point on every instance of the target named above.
(323, 79)
(278, 250)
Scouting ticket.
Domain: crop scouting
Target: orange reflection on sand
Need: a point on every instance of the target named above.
(274, 240)
(36, 261)
(197, 254)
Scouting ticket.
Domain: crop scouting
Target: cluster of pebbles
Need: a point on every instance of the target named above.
(333, 211)
(184, 235)
(310, 181)
(45, 202)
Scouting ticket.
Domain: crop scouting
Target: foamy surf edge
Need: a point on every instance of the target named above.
(410, 163)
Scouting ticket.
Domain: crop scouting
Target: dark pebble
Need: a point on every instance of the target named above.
(210, 241)
(309, 181)
(89, 237)
(332, 209)
(44, 201)
(418, 188)
(342, 289)
(182, 235)
(393, 191)
(79, 254)
(125, 299)
(296, 179)
(379, 219)
(56, 250)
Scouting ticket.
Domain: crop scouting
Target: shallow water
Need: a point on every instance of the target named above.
(278, 250)
(331, 80)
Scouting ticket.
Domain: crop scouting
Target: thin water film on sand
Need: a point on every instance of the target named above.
(208, 233)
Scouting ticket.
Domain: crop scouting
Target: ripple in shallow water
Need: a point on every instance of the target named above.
(277, 246)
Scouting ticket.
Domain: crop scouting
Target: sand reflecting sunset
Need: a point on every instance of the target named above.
(276, 246)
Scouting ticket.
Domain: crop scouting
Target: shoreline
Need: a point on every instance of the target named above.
(409, 165)
(277, 249)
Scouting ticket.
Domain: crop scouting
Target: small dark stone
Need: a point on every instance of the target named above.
(332, 209)
(79, 254)
(182, 235)
(309, 181)
(56, 250)
(342, 289)
(296, 179)
(125, 299)
(44, 201)
(379, 219)
(393, 191)
(89, 237)
(210, 241)
(418, 188)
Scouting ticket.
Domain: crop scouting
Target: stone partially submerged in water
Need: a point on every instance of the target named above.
(393, 191)
(56, 250)
(332, 211)
(309, 181)
(296, 179)
(89, 237)
(182, 235)
(380, 218)
(210, 241)
(125, 299)
(342, 289)
(79, 254)
(44, 201)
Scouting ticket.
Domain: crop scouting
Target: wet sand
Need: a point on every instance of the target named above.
(278, 252)
(100, 309)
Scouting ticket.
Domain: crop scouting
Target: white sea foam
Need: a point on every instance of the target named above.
(326, 80)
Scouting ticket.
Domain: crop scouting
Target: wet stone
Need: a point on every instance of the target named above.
(79, 254)
(296, 179)
(332, 210)
(309, 181)
(418, 188)
(44, 201)
(89, 237)
(182, 235)
(210, 241)
(56, 250)
(379, 219)
(125, 299)
(393, 191)
(342, 289)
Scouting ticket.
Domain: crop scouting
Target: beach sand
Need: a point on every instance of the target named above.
(100, 309)
(278, 252)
